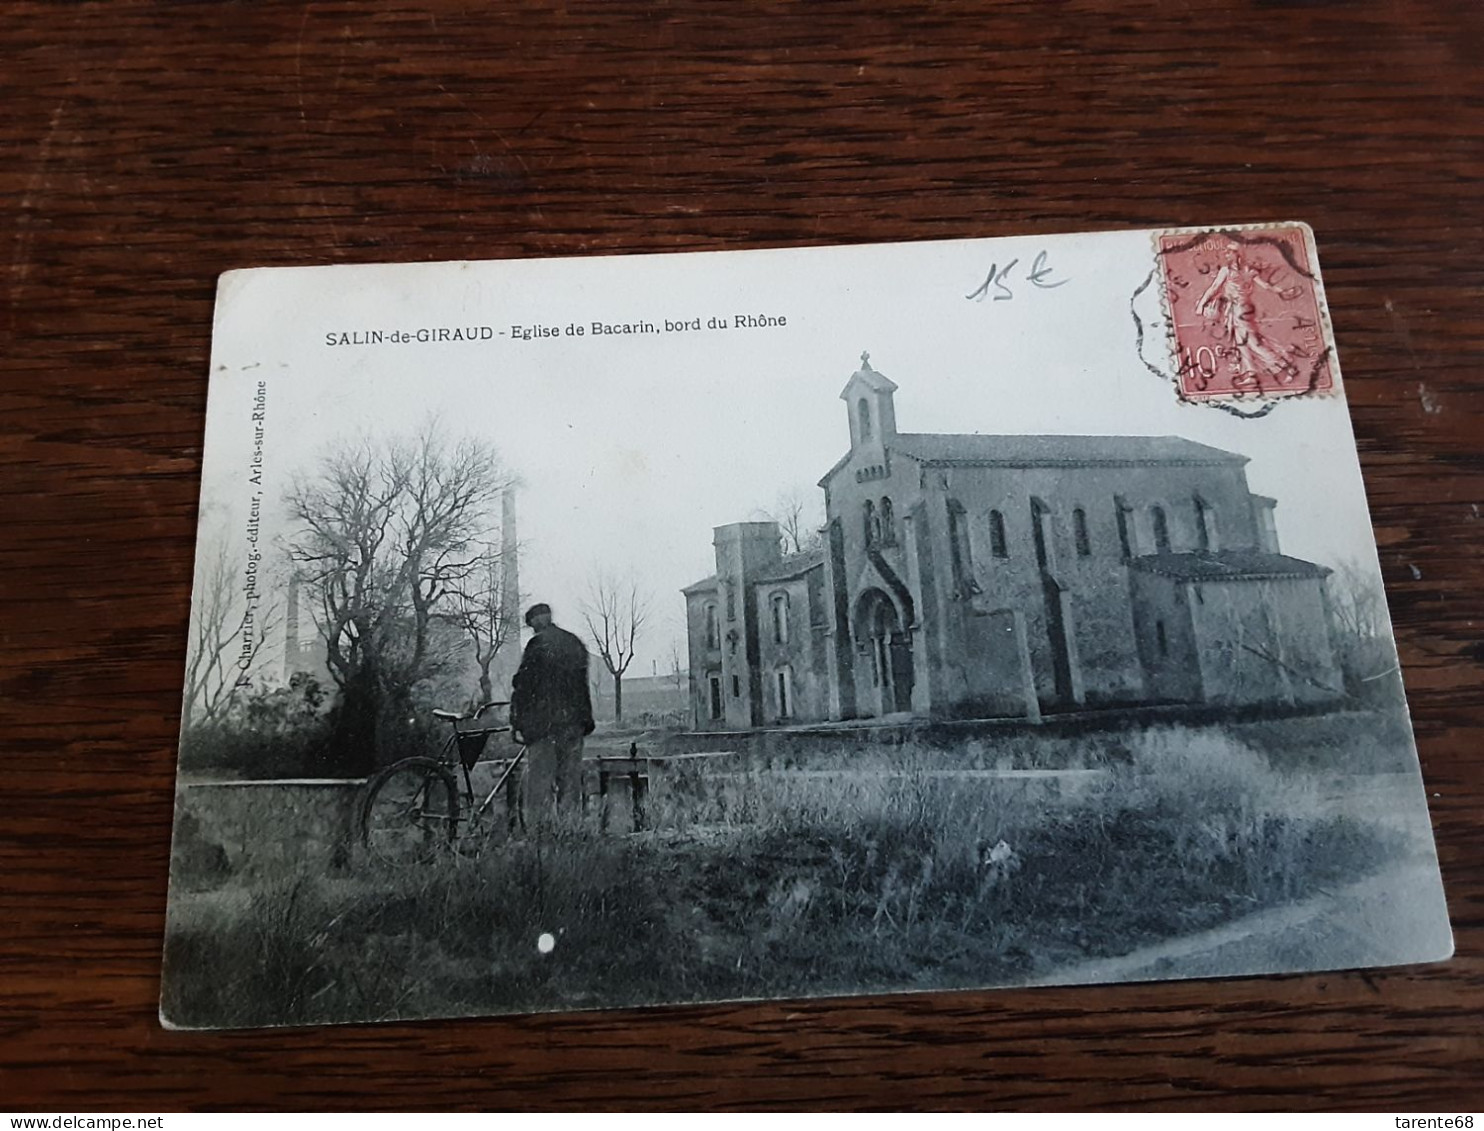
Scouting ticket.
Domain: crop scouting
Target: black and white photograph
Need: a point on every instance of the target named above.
(620, 631)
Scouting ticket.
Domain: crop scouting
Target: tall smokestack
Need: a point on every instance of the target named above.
(291, 631)
(509, 567)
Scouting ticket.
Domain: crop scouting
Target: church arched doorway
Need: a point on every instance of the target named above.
(887, 648)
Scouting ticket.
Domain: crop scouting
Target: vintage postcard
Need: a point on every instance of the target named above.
(615, 631)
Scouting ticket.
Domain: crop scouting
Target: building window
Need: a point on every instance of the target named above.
(731, 601)
(785, 698)
(1205, 526)
(960, 550)
(1079, 532)
(1125, 527)
(736, 688)
(715, 682)
(780, 618)
(1161, 639)
(888, 523)
(871, 523)
(1161, 530)
(997, 544)
(863, 410)
(713, 632)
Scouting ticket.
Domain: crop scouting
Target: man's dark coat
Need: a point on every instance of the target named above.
(549, 693)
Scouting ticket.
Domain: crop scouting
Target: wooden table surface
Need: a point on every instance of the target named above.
(146, 147)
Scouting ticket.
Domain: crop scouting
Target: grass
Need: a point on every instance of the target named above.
(761, 882)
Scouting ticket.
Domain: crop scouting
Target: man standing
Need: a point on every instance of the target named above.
(551, 712)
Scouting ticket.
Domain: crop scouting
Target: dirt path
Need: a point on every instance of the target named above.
(1355, 925)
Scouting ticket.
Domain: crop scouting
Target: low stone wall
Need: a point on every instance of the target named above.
(981, 743)
(242, 828)
(989, 742)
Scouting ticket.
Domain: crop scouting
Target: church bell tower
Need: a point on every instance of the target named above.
(868, 402)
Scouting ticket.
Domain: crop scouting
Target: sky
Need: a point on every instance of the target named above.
(631, 447)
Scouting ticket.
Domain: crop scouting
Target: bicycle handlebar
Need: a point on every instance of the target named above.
(462, 717)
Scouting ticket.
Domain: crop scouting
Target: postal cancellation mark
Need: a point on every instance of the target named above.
(1244, 313)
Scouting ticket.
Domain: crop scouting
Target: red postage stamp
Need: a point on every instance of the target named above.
(1245, 313)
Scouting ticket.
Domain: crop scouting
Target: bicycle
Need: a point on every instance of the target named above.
(411, 810)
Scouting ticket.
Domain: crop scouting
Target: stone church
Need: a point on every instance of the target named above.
(975, 576)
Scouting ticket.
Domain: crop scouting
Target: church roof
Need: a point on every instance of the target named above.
(792, 566)
(946, 449)
(702, 585)
(1228, 565)
(865, 375)
(785, 569)
(1056, 451)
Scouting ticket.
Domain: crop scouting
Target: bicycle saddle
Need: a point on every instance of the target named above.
(462, 716)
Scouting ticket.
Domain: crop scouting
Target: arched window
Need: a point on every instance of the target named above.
(888, 524)
(1045, 535)
(1205, 526)
(1125, 526)
(785, 693)
(713, 632)
(997, 545)
(780, 618)
(872, 524)
(863, 411)
(1161, 530)
(961, 550)
(1079, 532)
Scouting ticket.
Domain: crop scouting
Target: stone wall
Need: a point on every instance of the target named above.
(249, 828)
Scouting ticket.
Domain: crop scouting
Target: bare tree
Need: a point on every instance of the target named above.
(799, 516)
(388, 530)
(677, 668)
(1357, 609)
(615, 612)
(480, 607)
(452, 489)
(228, 629)
(1357, 603)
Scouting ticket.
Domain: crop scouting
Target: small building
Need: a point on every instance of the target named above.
(972, 575)
(757, 633)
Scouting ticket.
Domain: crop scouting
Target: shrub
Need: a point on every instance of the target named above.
(285, 732)
(269, 734)
(1196, 770)
(1238, 827)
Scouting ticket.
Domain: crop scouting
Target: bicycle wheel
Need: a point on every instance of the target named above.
(411, 811)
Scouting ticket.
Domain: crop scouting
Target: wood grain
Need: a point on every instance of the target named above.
(146, 147)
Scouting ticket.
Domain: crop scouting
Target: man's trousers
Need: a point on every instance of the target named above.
(553, 779)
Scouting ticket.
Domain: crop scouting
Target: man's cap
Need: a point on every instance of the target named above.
(537, 611)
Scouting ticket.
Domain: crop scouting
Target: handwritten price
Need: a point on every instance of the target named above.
(999, 278)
